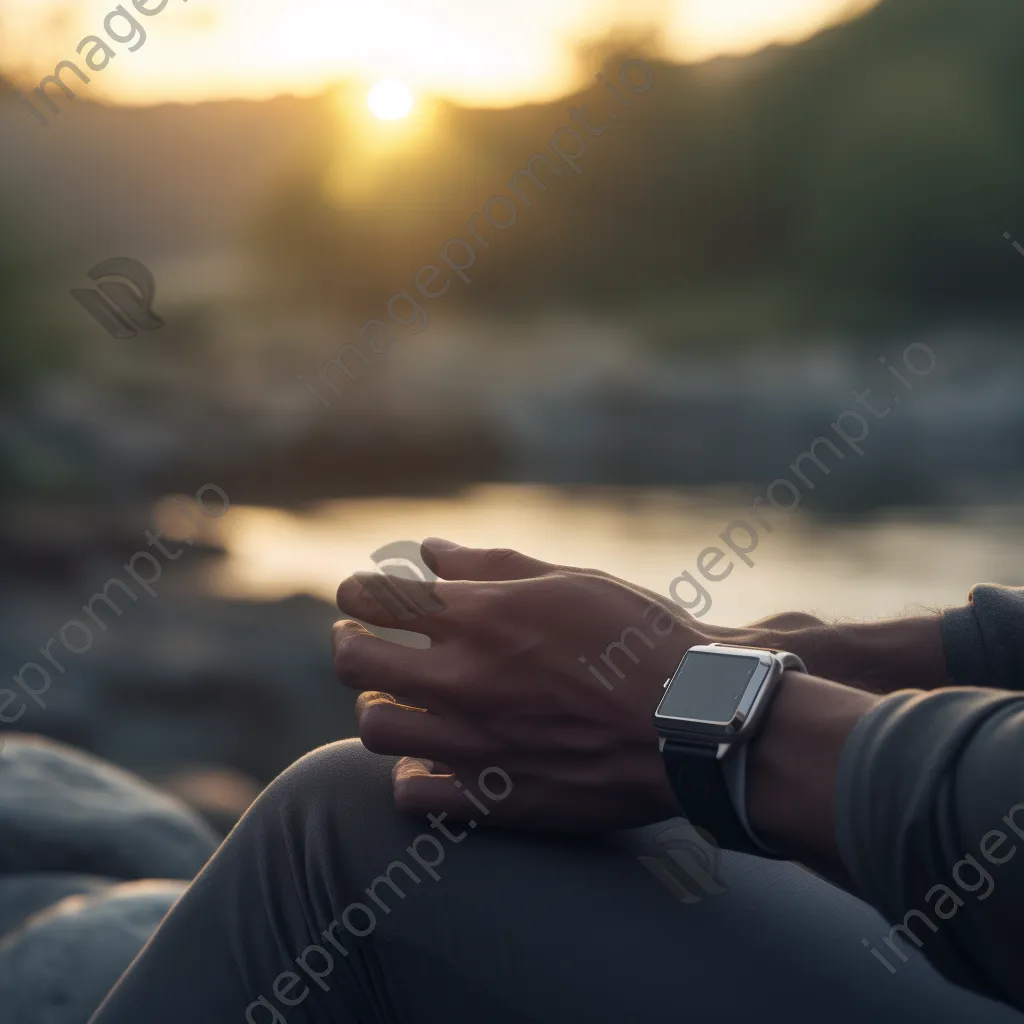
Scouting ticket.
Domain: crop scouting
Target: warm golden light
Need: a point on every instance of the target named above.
(461, 50)
(391, 100)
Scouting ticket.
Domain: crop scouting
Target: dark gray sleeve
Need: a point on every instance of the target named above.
(930, 806)
(930, 826)
(985, 639)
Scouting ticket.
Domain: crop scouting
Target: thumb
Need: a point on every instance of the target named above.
(450, 561)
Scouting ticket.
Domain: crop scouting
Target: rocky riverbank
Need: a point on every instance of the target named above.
(91, 859)
(181, 686)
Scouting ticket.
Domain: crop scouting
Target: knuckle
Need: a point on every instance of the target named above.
(499, 557)
(564, 580)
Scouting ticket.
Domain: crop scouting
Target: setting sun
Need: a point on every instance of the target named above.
(390, 101)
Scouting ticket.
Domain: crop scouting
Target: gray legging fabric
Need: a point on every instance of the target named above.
(514, 927)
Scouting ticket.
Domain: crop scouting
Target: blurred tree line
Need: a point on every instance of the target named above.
(861, 179)
(26, 347)
(33, 344)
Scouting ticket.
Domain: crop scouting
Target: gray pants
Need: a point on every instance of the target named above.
(324, 906)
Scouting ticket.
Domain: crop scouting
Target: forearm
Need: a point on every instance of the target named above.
(979, 644)
(897, 654)
(880, 657)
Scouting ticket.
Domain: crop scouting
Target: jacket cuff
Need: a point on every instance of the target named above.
(966, 660)
(984, 640)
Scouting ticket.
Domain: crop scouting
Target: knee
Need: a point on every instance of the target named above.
(323, 819)
(341, 778)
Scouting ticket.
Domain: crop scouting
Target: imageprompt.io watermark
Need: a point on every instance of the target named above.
(946, 901)
(404, 559)
(360, 919)
(122, 301)
(742, 536)
(687, 859)
(121, 26)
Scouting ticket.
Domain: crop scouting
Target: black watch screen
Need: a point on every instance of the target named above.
(708, 687)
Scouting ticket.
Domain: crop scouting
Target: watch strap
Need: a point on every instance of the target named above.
(734, 768)
(699, 783)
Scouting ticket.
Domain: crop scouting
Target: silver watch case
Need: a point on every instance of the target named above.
(749, 711)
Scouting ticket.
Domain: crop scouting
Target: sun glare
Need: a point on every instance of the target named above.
(390, 101)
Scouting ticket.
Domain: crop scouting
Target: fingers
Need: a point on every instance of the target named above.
(419, 790)
(452, 562)
(392, 601)
(387, 727)
(367, 662)
(413, 782)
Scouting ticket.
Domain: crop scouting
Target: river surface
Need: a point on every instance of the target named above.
(886, 565)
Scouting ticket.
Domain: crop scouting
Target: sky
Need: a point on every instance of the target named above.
(476, 52)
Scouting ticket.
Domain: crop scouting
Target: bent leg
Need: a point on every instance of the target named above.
(324, 906)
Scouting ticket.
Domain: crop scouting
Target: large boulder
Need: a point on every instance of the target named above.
(21, 896)
(58, 967)
(65, 811)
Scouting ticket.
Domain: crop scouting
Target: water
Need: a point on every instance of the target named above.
(888, 565)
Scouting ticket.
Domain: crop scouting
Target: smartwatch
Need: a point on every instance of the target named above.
(712, 707)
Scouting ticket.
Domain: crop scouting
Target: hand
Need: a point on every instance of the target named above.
(546, 673)
(551, 674)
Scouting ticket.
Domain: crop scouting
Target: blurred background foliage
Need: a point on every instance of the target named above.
(29, 344)
(856, 180)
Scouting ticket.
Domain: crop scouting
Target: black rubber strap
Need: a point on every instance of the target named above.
(701, 790)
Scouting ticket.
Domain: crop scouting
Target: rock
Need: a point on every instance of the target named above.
(183, 679)
(219, 795)
(65, 811)
(24, 895)
(58, 967)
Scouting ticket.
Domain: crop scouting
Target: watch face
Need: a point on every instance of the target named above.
(709, 688)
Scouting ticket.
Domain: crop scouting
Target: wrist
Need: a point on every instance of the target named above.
(793, 763)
